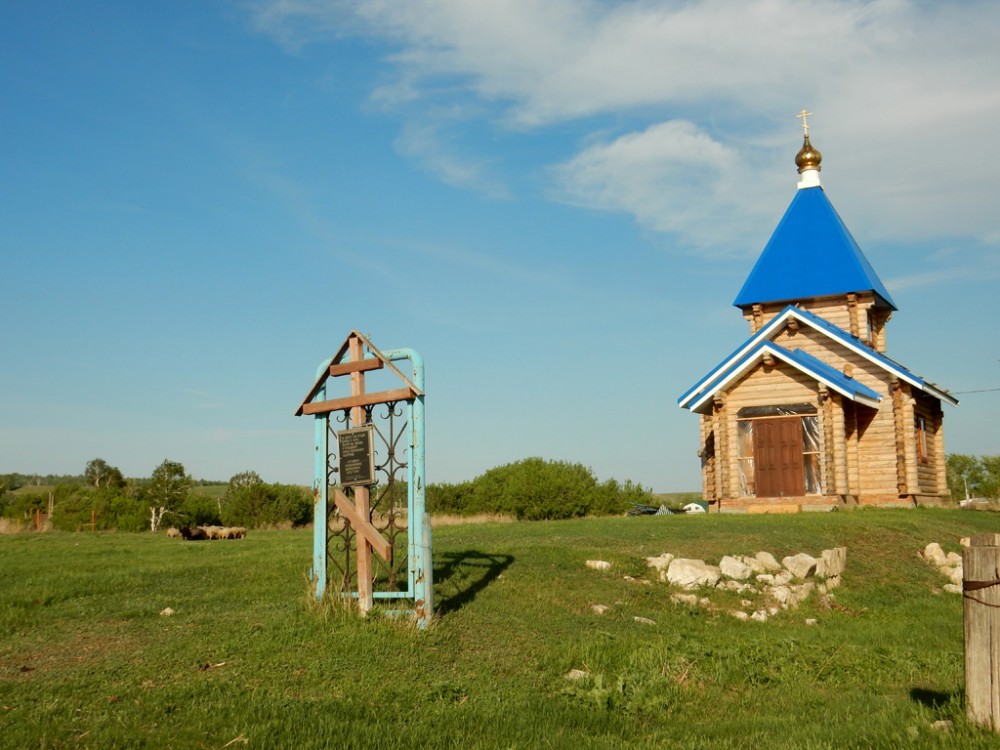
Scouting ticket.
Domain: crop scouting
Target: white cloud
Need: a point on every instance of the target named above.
(672, 176)
(425, 143)
(904, 93)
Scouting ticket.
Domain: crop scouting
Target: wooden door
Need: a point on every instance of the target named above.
(777, 449)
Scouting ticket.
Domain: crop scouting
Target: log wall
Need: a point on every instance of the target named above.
(867, 455)
(849, 312)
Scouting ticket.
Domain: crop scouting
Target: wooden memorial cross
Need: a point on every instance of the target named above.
(358, 513)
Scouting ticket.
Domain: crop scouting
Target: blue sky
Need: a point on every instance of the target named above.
(554, 203)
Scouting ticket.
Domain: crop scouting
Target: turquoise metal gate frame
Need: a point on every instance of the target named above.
(353, 519)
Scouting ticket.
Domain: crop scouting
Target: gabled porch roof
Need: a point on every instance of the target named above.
(800, 360)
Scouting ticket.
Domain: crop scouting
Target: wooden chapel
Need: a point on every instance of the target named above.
(809, 413)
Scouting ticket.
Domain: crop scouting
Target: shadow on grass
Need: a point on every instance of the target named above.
(935, 698)
(464, 574)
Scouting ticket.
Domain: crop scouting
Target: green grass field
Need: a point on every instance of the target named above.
(248, 661)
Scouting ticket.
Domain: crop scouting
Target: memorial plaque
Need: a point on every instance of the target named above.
(356, 451)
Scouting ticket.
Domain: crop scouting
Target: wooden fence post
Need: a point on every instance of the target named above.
(981, 597)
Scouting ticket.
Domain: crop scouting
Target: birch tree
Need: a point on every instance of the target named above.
(168, 488)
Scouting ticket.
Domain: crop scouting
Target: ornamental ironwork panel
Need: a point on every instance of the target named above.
(388, 504)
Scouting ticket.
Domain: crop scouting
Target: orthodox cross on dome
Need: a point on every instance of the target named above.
(808, 158)
(805, 122)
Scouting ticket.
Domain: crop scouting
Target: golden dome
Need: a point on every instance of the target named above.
(808, 157)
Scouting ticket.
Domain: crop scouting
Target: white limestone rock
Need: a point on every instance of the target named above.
(770, 564)
(801, 565)
(689, 599)
(782, 595)
(952, 574)
(598, 565)
(660, 562)
(735, 568)
(691, 574)
(952, 559)
(834, 561)
(934, 555)
(599, 609)
(803, 590)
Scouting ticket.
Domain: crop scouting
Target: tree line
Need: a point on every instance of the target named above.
(102, 496)
(530, 489)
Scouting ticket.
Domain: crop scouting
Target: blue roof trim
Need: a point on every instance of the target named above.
(877, 357)
(762, 334)
(848, 386)
(720, 372)
(810, 254)
(800, 360)
(702, 384)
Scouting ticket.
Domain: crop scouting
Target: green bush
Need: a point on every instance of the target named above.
(197, 510)
(125, 514)
(253, 503)
(536, 489)
(22, 506)
(451, 499)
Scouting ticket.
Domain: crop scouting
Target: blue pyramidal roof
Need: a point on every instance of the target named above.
(810, 254)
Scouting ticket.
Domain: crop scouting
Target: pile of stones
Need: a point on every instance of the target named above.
(948, 564)
(782, 585)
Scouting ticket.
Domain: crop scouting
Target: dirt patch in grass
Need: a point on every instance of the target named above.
(72, 650)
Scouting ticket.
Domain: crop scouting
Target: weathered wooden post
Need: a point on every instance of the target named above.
(981, 596)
